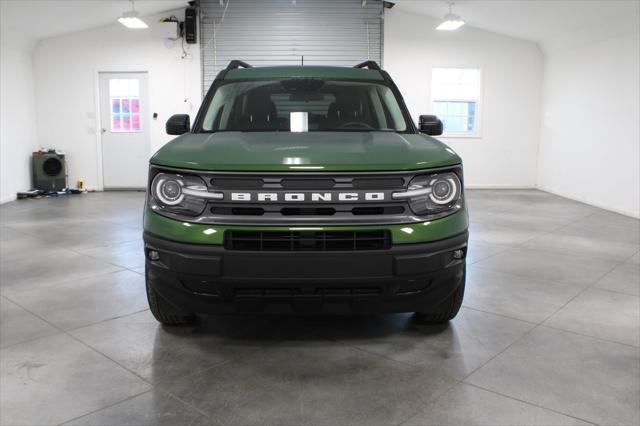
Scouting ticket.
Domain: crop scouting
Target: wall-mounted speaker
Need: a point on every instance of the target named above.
(49, 171)
(191, 25)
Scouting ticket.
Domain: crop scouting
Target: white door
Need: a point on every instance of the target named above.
(124, 117)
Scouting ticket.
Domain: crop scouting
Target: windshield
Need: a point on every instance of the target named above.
(303, 105)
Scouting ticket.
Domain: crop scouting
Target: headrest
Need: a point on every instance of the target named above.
(260, 105)
(346, 106)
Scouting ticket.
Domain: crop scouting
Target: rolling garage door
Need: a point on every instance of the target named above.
(281, 32)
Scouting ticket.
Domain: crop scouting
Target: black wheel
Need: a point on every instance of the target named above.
(448, 309)
(162, 310)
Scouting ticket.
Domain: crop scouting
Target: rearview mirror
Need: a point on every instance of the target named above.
(431, 125)
(178, 124)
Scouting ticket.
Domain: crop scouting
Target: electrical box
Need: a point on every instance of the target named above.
(190, 25)
(170, 30)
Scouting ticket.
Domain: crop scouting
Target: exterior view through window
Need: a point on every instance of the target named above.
(303, 104)
(456, 96)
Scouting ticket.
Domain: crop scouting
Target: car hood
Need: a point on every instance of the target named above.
(313, 151)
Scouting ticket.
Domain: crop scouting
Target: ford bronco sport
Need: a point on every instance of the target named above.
(304, 189)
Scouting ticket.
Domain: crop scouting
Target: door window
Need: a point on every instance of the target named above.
(124, 97)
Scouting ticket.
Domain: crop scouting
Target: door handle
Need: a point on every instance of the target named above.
(103, 130)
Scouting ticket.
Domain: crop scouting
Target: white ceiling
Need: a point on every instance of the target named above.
(39, 19)
(550, 23)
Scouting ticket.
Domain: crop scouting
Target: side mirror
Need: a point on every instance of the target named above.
(431, 125)
(178, 124)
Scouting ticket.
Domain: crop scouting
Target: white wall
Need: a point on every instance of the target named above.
(17, 117)
(66, 71)
(590, 137)
(505, 154)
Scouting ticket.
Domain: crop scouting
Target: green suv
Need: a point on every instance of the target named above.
(304, 190)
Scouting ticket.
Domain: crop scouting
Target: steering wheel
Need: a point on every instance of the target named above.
(359, 124)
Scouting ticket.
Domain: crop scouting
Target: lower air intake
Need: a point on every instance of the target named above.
(307, 240)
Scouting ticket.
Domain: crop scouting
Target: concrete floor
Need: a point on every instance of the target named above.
(549, 331)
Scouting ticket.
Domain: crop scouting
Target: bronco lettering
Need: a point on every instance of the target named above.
(298, 197)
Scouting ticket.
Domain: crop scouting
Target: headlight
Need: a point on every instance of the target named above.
(444, 189)
(436, 194)
(176, 193)
(168, 190)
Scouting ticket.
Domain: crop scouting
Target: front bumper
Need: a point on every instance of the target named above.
(199, 278)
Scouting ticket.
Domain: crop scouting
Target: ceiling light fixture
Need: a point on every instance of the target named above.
(451, 21)
(130, 19)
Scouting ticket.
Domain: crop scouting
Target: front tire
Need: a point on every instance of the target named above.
(162, 310)
(449, 308)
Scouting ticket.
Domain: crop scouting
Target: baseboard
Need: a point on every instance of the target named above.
(8, 199)
(634, 215)
(481, 186)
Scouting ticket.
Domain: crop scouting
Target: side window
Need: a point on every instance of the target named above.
(455, 94)
(125, 105)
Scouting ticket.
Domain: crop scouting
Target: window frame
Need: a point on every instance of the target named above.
(477, 133)
(120, 114)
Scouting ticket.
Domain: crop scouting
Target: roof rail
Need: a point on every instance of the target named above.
(237, 64)
(372, 65)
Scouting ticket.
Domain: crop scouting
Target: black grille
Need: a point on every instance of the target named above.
(299, 292)
(256, 210)
(259, 207)
(360, 211)
(307, 240)
(308, 211)
(378, 183)
(307, 182)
